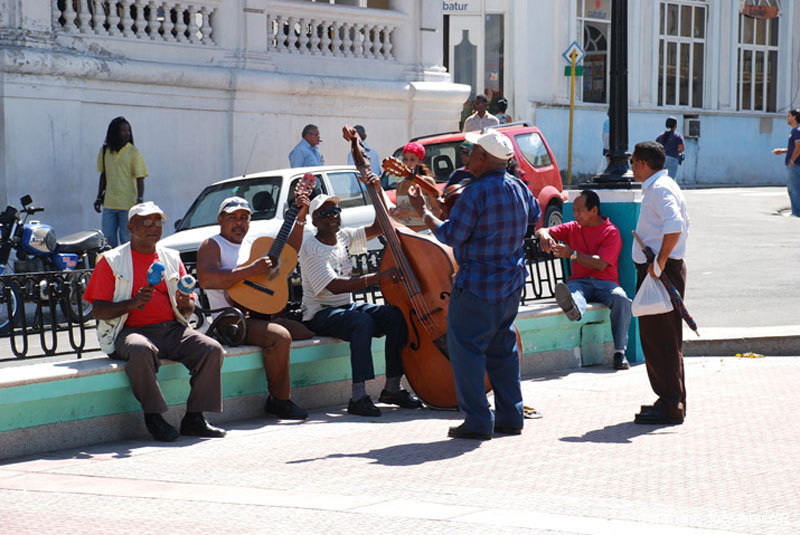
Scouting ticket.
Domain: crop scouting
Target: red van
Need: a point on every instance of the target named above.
(530, 150)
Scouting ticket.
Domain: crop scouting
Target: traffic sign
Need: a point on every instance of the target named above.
(579, 53)
(578, 70)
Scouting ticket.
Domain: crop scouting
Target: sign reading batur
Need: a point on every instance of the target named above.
(463, 7)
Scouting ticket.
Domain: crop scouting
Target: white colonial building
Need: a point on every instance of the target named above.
(728, 68)
(212, 89)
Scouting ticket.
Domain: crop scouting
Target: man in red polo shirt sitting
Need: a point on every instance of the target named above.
(593, 244)
(143, 323)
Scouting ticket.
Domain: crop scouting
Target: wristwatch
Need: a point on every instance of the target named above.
(574, 255)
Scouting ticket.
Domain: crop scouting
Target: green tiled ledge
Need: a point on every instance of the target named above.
(92, 388)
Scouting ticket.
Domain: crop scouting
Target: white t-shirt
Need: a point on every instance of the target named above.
(230, 255)
(321, 263)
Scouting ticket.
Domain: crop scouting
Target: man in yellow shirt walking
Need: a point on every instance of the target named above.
(122, 173)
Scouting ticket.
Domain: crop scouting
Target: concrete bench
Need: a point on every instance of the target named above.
(85, 401)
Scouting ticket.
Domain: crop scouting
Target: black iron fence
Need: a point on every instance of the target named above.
(47, 307)
(41, 305)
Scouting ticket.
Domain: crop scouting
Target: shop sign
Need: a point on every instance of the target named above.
(462, 7)
(760, 12)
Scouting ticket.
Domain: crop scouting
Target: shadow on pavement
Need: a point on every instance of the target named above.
(620, 433)
(408, 454)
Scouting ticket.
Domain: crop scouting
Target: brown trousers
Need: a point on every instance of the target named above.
(275, 337)
(144, 347)
(662, 342)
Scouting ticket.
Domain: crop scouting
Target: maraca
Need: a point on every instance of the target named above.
(186, 284)
(155, 274)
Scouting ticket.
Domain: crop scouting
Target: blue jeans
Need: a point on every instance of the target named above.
(115, 226)
(671, 165)
(793, 185)
(358, 323)
(610, 294)
(481, 339)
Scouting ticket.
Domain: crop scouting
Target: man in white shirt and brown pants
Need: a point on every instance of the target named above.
(663, 227)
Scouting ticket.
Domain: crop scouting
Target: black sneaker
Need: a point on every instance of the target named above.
(564, 300)
(159, 428)
(620, 362)
(363, 407)
(285, 409)
(401, 398)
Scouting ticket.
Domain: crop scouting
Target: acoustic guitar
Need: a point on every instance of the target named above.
(268, 293)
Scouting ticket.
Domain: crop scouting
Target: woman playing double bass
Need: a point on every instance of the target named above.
(486, 229)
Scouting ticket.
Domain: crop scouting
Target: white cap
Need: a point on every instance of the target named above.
(145, 209)
(232, 204)
(319, 200)
(492, 142)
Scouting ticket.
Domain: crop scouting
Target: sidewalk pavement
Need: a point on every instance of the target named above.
(584, 468)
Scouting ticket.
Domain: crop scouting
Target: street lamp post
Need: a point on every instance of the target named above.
(618, 173)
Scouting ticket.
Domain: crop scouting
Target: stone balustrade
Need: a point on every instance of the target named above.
(170, 21)
(336, 31)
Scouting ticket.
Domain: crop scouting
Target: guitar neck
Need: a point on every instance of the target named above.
(283, 233)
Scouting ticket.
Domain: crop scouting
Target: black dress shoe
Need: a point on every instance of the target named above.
(462, 432)
(195, 425)
(285, 409)
(363, 407)
(507, 430)
(159, 428)
(656, 417)
(620, 362)
(401, 398)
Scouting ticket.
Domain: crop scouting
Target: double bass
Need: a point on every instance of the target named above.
(428, 269)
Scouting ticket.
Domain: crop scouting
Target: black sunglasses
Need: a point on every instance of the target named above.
(329, 212)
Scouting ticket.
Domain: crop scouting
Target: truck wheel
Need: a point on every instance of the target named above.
(552, 216)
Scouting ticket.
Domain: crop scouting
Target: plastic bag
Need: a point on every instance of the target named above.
(652, 298)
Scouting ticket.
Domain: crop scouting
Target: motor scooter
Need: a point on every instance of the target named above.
(38, 250)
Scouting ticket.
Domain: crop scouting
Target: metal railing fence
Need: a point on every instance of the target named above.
(58, 307)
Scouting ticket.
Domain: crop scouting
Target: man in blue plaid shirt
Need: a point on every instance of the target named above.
(486, 230)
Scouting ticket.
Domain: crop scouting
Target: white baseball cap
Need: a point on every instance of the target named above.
(492, 142)
(319, 200)
(145, 209)
(232, 204)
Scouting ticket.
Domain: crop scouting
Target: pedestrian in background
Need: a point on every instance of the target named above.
(673, 147)
(663, 226)
(122, 173)
(792, 161)
(306, 153)
(372, 154)
(481, 118)
(502, 116)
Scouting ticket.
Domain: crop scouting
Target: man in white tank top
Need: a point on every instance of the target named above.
(222, 261)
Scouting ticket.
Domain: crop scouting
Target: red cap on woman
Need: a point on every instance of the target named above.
(416, 149)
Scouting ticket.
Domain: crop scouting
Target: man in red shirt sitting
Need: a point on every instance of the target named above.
(593, 244)
(143, 323)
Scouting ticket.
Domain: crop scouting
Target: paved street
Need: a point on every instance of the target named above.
(742, 258)
(584, 468)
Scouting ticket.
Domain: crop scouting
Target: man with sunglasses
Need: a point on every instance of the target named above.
(224, 260)
(329, 310)
(462, 173)
(143, 323)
